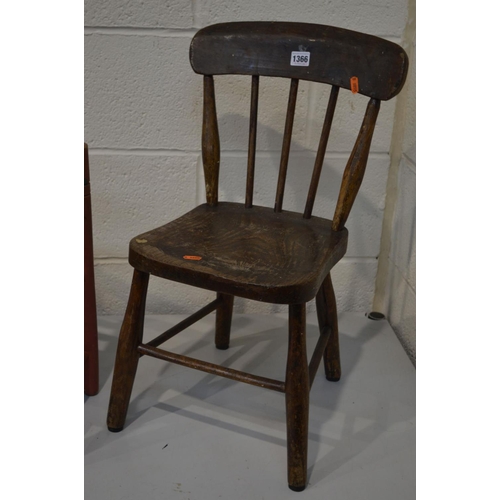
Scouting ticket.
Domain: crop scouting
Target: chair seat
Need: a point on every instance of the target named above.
(256, 253)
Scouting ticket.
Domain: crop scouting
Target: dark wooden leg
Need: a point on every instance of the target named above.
(297, 398)
(127, 356)
(223, 318)
(326, 307)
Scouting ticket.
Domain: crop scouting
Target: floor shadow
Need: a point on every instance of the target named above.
(210, 385)
(351, 443)
(262, 352)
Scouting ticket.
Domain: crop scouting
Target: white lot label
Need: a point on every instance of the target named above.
(300, 59)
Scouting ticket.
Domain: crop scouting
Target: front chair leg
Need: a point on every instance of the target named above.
(326, 308)
(223, 318)
(127, 356)
(297, 398)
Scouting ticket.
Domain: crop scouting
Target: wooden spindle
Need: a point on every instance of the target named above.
(210, 145)
(212, 368)
(355, 168)
(287, 139)
(252, 141)
(320, 156)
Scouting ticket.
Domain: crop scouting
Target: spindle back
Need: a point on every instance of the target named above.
(342, 58)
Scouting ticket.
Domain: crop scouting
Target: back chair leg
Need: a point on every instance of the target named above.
(127, 356)
(297, 398)
(223, 318)
(326, 307)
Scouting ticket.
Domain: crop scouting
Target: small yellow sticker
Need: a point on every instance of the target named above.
(141, 241)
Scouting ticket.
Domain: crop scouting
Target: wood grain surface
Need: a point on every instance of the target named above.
(257, 253)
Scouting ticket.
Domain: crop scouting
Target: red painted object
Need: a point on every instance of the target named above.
(91, 380)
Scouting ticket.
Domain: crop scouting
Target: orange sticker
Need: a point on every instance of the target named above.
(192, 257)
(354, 84)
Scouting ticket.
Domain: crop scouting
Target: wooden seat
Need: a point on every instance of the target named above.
(262, 253)
(277, 257)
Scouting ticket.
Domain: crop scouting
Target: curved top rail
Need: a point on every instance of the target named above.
(335, 55)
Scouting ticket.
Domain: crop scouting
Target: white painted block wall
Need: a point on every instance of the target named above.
(143, 108)
(396, 280)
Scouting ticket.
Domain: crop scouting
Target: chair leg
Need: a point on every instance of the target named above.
(223, 318)
(326, 307)
(297, 398)
(127, 356)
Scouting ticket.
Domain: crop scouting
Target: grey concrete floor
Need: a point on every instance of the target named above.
(194, 436)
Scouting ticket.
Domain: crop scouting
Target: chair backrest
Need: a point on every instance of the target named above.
(361, 63)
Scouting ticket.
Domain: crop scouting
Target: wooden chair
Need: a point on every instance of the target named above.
(261, 253)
